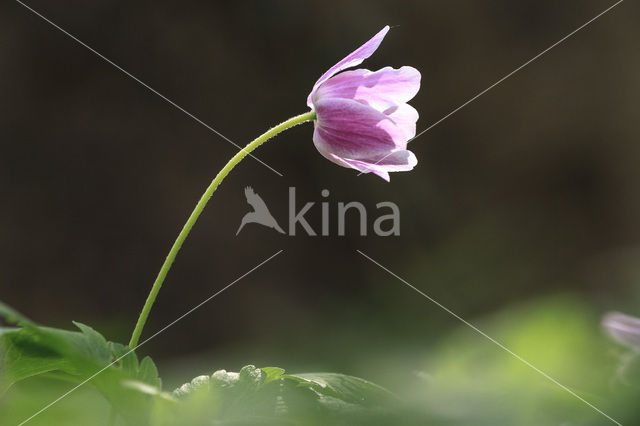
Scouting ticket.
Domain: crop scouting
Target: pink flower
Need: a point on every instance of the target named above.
(622, 328)
(363, 120)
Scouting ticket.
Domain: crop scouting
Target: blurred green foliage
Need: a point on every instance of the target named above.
(465, 380)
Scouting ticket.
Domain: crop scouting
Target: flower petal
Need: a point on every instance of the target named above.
(623, 328)
(380, 89)
(405, 117)
(354, 58)
(398, 161)
(352, 130)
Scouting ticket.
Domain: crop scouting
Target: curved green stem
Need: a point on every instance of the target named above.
(135, 337)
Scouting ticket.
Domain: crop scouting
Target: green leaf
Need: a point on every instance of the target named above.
(349, 389)
(27, 352)
(12, 316)
(272, 373)
(89, 344)
(269, 396)
(148, 373)
(198, 383)
(251, 377)
(78, 356)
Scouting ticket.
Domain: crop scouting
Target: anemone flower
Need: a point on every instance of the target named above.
(622, 328)
(363, 120)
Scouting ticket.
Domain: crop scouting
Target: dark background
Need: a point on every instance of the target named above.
(527, 192)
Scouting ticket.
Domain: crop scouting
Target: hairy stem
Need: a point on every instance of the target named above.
(191, 221)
